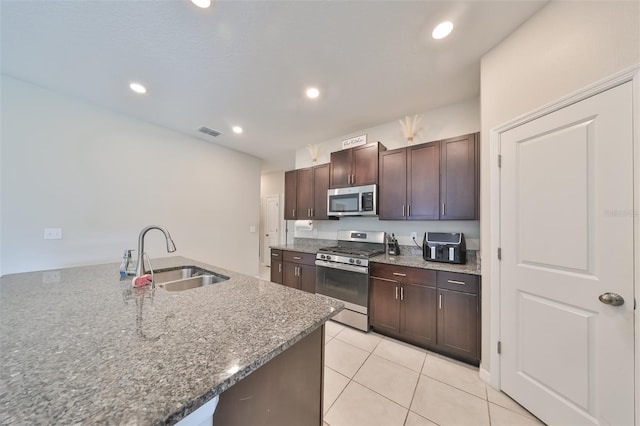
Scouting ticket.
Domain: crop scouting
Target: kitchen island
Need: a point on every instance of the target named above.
(80, 346)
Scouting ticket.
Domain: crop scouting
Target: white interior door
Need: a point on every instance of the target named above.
(271, 225)
(567, 237)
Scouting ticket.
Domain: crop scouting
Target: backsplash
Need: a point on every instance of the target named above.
(328, 229)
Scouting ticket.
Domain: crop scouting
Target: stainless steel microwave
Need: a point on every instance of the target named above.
(353, 201)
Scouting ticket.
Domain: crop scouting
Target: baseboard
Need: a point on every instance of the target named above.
(485, 375)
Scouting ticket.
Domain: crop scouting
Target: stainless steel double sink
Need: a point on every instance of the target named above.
(180, 278)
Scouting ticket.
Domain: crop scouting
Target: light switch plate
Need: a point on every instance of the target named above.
(52, 233)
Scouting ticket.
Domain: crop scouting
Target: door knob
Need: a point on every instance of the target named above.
(612, 299)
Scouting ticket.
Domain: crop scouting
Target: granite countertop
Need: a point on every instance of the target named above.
(416, 261)
(306, 245)
(85, 347)
(413, 256)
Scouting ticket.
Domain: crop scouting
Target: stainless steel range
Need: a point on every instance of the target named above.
(342, 272)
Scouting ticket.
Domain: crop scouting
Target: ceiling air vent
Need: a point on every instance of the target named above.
(209, 131)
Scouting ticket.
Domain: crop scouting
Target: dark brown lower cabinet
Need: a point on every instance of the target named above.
(403, 309)
(417, 321)
(275, 394)
(458, 323)
(299, 270)
(276, 266)
(438, 311)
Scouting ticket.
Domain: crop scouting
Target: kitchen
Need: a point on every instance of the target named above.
(104, 176)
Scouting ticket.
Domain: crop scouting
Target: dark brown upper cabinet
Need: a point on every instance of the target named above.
(409, 183)
(305, 193)
(320, 188)
(459, 178)
(290, 194)
(355, 166)
(431, 181)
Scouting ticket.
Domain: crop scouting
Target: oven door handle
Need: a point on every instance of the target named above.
(344, 267)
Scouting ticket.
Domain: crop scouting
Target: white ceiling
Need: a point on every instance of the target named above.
(248, 62)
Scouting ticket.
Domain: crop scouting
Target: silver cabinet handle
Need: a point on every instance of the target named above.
(456, 282)
(399, 274)
(312, 212)
(612, 299)
(440, 301)
(396, 292)
(297, 258)
(353, 178)
(403, 210)
(275, 254)
(293, 212)
(408, 210)
(401, 293)
(279, 267)
(442, 209)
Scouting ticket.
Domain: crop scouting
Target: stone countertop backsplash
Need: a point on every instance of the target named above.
(80, 346)
(410, 256)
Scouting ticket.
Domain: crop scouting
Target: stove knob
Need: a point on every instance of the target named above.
(350, 260)
(358, 261)
(328, 257)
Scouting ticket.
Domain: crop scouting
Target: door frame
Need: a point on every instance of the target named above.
(629, 74)
(263, 254)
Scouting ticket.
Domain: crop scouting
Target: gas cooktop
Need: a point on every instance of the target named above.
(351, 251)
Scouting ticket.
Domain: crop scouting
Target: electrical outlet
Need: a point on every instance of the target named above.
(414, 235)
(52, 233)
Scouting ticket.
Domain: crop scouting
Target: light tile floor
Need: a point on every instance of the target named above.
(374, 380)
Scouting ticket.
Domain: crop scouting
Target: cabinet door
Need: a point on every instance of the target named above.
(384, 305)
(290, 179)
(276, 266)
(365, 165)
(459, 183)
(423, 182)
(418, 314)
(307, 278)
(340, 169)
(320, 188)
(393, 184)
(304, 193)
(290, 276)
(458, 324)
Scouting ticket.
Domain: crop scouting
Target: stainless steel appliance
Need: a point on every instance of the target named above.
(444, 247)
(342, 272)
(353, 201)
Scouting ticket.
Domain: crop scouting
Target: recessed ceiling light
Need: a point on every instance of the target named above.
(138, 88)
(237, 129)
(442, 30)
(202, 3)
(312, 93)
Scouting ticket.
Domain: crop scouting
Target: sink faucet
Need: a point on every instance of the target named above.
(171, 247)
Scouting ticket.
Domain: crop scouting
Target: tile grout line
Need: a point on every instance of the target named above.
(414, 393)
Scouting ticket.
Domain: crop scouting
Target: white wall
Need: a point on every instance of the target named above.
(438, 123)
(564, 47)
(102, 177)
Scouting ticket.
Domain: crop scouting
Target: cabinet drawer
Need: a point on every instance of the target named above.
(458, 282)
(276, 254)
(403, 274)
(299, 257)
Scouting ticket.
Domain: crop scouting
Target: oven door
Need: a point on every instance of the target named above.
(343, 282)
